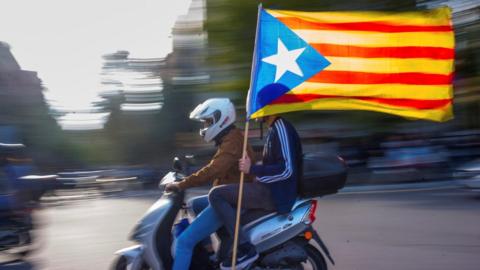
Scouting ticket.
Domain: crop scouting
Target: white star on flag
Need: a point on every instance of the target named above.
(285, 60)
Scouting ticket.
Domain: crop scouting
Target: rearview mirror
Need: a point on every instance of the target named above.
(190, 159)
(177, 164)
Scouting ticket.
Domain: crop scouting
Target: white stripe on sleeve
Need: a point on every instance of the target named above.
(285, 147)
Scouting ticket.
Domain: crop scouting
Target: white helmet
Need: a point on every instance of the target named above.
(217, 114)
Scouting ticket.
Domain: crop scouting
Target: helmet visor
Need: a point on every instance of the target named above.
(207, 122)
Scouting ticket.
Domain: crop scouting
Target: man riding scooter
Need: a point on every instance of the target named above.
(218, 117)
(283, 241)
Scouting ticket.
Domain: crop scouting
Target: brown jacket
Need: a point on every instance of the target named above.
(223, 168)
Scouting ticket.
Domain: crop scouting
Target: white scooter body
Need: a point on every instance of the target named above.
(154, 237)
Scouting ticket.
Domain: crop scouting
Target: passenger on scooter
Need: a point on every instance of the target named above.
(274, 188)
(218, 116)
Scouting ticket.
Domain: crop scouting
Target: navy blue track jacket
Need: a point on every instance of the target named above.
(282, 164)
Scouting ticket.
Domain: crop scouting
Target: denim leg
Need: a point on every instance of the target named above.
(224, 200)
(196, 206)
(205, 224)
(227, 213)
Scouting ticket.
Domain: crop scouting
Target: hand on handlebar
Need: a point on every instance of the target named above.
(172, 187)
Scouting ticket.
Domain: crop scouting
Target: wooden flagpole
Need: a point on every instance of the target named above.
(239, 203)
(244, 153)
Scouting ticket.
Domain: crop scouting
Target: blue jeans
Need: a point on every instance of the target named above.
(224, 199)
(195, 206)
(206, 223)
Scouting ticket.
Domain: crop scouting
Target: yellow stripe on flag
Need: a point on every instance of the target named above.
(439, 115)
(390, 65)
(377, 39)
(434, 17)
(376, 90)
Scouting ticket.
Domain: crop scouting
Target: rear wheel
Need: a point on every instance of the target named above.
(145, 266)
(315, 260)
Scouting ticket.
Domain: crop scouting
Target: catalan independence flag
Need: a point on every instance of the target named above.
(392, 62)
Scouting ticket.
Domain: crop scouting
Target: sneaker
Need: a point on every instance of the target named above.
(246, 255)
(212, 256)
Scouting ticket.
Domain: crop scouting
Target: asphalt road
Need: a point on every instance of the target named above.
(434, 229)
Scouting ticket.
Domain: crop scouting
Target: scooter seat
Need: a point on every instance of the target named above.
(254, 214)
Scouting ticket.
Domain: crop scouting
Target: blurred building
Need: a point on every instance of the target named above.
(134, 83)
(20, 91)
(186, 74)
(8, 62)
(186, 64)
(149, 99)
(24, 116)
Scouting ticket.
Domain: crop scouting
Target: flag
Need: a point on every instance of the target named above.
(399, 63)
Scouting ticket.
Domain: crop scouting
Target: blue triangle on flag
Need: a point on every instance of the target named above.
(270, 33)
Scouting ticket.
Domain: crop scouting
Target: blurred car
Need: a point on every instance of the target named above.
(468, 174)
(404, 157)
(78, 179)
(122, 177)
(144, 176)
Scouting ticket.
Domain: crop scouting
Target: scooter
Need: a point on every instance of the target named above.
(283, 241)
(20, 196)
(15, 232)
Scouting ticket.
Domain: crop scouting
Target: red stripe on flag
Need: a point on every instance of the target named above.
(410, 103)
(297, 23)
(385, 52)
(348, 77)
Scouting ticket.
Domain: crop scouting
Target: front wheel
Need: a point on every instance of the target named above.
(315, 260)
(120, 263)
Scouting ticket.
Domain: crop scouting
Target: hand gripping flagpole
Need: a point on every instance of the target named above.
(244, 151)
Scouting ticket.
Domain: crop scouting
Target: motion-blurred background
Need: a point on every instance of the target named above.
(97, 94)
(128, 112)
